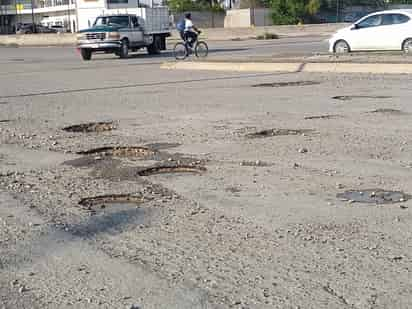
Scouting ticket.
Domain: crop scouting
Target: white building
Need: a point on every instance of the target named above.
(74, 15)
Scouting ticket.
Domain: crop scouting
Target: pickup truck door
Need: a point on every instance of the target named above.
(137, 31)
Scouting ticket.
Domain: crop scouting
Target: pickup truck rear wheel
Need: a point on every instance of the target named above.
(156, 46)
(86, 53)
(124, 49)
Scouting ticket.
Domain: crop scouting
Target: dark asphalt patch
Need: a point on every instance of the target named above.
(351, 97)
(279, 132)
(4, 103)
(4, 120)
(287, 84)
(91, 127)
(374, 196)
(92, 161)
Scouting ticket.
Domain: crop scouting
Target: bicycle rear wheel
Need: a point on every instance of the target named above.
(180, 51)
(201, 49)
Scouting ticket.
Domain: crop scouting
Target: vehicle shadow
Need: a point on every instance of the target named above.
(169, 54)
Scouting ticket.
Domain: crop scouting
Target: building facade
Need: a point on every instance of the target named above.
(73, 15)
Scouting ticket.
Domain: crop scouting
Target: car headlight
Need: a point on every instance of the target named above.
(113, 35)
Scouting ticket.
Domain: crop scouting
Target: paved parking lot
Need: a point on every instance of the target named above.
(202, 189)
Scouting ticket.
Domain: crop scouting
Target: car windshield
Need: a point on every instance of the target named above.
(112, 21)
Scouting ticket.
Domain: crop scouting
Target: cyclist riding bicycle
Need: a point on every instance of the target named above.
(190, 32)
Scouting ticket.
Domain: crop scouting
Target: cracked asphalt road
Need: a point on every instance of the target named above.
(260, 227)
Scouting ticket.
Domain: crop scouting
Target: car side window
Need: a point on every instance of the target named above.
(387, 20)
(400, 19)
(372, 21)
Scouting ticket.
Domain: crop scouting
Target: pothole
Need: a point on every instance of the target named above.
(91, 127)
(322, 117)
(389, 111)
(374, 196)
(351, 97)
(233, 189)
(90, 202)
(124, 152)
(279, 132)
(165, 169)
(254, 163)
(4, 120)
(287, 84)
(4, 103)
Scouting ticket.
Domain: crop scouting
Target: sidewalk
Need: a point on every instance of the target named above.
(372, 63)
(212, 34)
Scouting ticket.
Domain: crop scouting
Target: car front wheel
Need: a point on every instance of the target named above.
(341, 47)
(86, 53)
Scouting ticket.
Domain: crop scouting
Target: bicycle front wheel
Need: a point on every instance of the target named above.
(180, 51)
(201, 49)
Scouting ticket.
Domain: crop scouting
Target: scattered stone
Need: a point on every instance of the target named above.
(403, 207)
(303, 150)
(295, 165)
(22, 289)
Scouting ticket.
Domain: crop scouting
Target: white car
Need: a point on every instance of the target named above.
(386, 30)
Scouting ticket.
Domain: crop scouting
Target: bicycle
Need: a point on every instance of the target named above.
(182, 50)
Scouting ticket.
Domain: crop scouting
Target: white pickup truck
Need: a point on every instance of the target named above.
(120, 33)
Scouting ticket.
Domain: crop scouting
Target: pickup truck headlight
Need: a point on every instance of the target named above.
(80, 36)
(113, 35)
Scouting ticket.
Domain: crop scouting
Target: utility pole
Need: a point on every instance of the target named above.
(32, 17)
(68, 16)
(337, 11)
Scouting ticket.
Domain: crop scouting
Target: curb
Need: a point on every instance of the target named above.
(313, 67)
(232, 66)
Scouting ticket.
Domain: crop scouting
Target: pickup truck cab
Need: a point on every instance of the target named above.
(120, 34)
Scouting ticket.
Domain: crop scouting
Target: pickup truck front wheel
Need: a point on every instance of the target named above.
(86, 53)
(124, 49)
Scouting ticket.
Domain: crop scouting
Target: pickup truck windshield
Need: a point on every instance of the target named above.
(112, 21)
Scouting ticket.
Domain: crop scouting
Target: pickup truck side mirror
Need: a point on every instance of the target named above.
(355, 27)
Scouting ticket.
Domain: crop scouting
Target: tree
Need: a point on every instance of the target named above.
(180, 6)
(293, 11)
